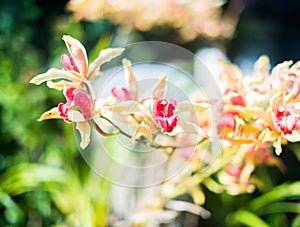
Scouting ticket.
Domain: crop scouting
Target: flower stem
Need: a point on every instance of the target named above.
(120, 131)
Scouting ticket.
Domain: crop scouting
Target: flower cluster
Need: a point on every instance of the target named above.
(83, 107)
(260, 112)
(263, 107)
(192, 18)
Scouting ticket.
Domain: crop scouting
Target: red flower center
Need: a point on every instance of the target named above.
(164, 114)
(285, 119)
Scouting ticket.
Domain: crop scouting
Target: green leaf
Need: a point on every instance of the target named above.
(103, 43)
(281, 192)
(13, 211)
(249, 219)
(296, 221)
(281, 207)
(26, 177)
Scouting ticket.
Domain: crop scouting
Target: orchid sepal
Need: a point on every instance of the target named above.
(51, 114)
(54, 74)
(103, 57)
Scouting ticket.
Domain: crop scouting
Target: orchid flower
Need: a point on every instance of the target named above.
(75, 79)
(149, 124)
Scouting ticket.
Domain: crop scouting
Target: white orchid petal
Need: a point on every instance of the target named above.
(78, 53)
(191, 128)
(160, 89)
(75, 116)
(104, 56)
(262, 65)
(127, 107)
(281, 68)
(63, 84)
(85, 132)
(266, 136)
(53, 74)
(295, 67)
(294, 137)
(277, 146)
(187, 106)
(130, 79)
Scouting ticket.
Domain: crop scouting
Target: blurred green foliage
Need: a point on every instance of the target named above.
(47, 193)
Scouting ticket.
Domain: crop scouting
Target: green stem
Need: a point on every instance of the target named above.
(154, 145)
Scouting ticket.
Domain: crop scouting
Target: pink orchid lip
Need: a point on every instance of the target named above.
(75, 97)
(285, 119)
(163, 113)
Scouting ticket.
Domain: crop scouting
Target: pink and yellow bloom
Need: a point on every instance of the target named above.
(190, 18)
(75, 80)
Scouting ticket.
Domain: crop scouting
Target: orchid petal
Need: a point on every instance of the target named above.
(262, 66)
(53, 74)
(85, 131)
(131, 80)
(76, 116)
(160, 89)
(63, 84)
(281, 68)
(141, 130)
(191, 128)
(145, 113)
(122, 94)
(127, 107)
(277, 146)
(294, 137)
(233, 73)
(84, 103)
(187, 106)
(78, 52)
(103, 57)
(296, 67)
(266, 136)
(51, 114)
(257, 114)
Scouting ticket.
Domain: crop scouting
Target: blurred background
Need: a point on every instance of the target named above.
(43, 179)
